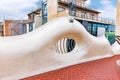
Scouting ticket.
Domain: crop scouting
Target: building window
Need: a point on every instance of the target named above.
(32, 17)
(22, 29)
(90, 28)
(70, 44)
(92, 16)
(44, 12)
(72, 8)
(61, 9)
(111, 28)
(94, 29)
(30, 27)
(1, 30)
(14, 28)
(83, 14)
(81, 3)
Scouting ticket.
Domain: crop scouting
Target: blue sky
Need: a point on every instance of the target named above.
(98, 4)
(18, 9)
(106, 7)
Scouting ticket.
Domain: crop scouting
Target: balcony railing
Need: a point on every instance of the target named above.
(78, 4)
(79, 16)
(68, 1)
(96, 19)
(106, 20)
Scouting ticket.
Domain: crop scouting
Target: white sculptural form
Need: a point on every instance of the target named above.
(44, 49)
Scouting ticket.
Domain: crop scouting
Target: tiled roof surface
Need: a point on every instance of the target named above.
(104, 69)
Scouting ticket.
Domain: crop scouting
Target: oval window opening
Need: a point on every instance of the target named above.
(70, 45)
(65, 45)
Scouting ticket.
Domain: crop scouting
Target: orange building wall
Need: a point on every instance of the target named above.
(7, 27)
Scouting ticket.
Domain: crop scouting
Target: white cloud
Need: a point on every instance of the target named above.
(88, 2)
(16, 8)
(109, 10)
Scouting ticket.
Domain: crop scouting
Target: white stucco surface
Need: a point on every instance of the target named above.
(35, 52)
(116, 48)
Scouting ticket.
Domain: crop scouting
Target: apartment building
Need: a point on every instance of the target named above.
(35, 19)
(88, 17)
(15, 27)
(19, 27)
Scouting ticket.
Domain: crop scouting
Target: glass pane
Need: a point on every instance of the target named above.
(44, 13)
(61, 9)
(30, 27)
(94, 30)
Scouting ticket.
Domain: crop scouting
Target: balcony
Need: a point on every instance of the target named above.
(79, 5)
(106, 20)
(77, 15)
(95, 19)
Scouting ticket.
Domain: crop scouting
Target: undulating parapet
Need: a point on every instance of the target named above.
(59, 43)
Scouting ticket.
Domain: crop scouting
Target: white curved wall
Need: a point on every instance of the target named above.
(35, 52)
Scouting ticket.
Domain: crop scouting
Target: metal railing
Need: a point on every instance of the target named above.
(95, 18)
(106, 20)
(87, 17)
(79, 4)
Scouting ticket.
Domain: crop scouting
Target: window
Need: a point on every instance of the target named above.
(82, 3)
(83, 14)
(72, 13)
(14, 28)
(72, 8)
(61, 9)
(90, 28)
(30, 27)
(1, 28)
(22, 28)
(44, 13)
(65, 45)
(1, 31)
(32, 17)
(92, 16)
(94, 29)
(111, 28)
(70, 44)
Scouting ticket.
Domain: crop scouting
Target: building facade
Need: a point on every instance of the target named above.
(35, 19)
(15, 27)
(88, 17)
